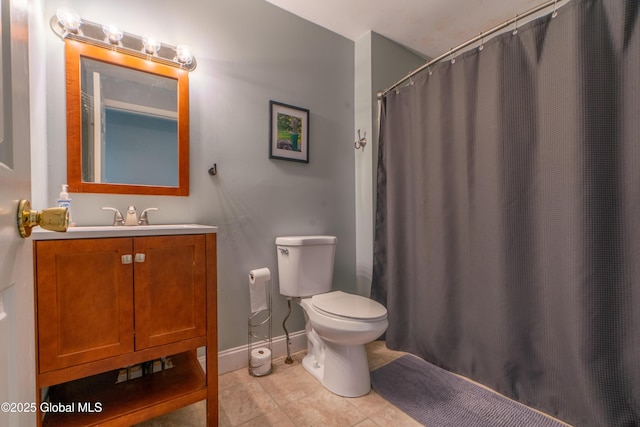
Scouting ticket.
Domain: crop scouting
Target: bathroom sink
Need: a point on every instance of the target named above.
(97, 231)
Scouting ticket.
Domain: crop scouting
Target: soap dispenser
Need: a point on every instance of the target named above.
(65, 202)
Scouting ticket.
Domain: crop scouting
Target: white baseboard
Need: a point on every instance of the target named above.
(237, 358)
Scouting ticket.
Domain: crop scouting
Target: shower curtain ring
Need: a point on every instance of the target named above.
(555, 11)
(430, 72)
(453, 58)
(481, 43)
(515, 25)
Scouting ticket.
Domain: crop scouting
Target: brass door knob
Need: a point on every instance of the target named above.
(54, 219)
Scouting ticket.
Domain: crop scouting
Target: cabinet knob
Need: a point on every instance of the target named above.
(140, 257)
(127, 259)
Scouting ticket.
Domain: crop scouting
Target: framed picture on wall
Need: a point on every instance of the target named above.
(289, 132)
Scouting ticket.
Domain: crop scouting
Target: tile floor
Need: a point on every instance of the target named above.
(291, 397)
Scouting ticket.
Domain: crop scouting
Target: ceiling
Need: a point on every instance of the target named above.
(428, 27)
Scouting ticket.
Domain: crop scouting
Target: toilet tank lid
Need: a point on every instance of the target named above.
(306, 240)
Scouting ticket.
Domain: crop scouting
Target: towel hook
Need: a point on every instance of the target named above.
(361, 142)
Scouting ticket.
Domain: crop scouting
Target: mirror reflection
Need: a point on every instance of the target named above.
(127, 123)
(129, 126)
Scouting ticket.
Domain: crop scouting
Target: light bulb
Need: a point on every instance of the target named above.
(151, 45)
(184, 54)
(113, 33)
(69, 19)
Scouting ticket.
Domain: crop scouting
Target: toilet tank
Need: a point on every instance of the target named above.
(305, 264)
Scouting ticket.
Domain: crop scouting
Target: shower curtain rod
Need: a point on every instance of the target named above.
(481, 36)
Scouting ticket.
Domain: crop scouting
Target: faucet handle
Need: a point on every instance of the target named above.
(118, 219)
(144, 217)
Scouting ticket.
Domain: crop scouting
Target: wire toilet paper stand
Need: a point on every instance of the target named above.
(260, 339)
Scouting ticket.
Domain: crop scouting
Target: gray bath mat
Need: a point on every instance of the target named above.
(437, 398)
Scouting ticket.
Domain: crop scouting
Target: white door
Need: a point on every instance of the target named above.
(17, 354)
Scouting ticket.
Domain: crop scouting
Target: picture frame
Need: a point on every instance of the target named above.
(288, 132)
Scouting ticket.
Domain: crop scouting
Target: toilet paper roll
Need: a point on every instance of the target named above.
(260, 361)
(261, 370)
(260, 356)
(258, 280)
(259, 275)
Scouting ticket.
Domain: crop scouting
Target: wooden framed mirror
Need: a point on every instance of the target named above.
(127, 123)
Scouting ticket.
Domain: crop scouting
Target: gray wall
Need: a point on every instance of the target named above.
(379, 62)
(389, 63)
(248, 52)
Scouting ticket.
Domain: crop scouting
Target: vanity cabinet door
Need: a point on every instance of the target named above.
(170, 289)
(84, 301)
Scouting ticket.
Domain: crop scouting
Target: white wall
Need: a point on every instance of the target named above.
(248, 52)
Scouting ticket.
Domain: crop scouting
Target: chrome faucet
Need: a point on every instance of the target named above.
(132, 217)
(118, 219)
(144, 217)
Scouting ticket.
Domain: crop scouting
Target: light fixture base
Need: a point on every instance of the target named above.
(131, 44)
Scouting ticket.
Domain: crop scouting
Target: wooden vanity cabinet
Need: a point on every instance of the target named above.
(106, 303)
(169, 289)
(85, 301)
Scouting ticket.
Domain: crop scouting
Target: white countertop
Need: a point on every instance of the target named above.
(99, 231)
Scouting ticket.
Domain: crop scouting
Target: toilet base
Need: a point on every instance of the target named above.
(344, 370)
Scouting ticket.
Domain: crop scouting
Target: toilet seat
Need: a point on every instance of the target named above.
(342, 305)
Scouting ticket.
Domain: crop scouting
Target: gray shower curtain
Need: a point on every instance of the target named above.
(507, 243)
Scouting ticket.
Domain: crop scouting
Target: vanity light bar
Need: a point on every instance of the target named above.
(67, 24)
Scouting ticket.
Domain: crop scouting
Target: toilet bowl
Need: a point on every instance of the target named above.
(338, 324)
(344, 318)
(336, 353)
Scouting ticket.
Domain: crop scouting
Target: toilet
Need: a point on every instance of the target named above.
(338, 324)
